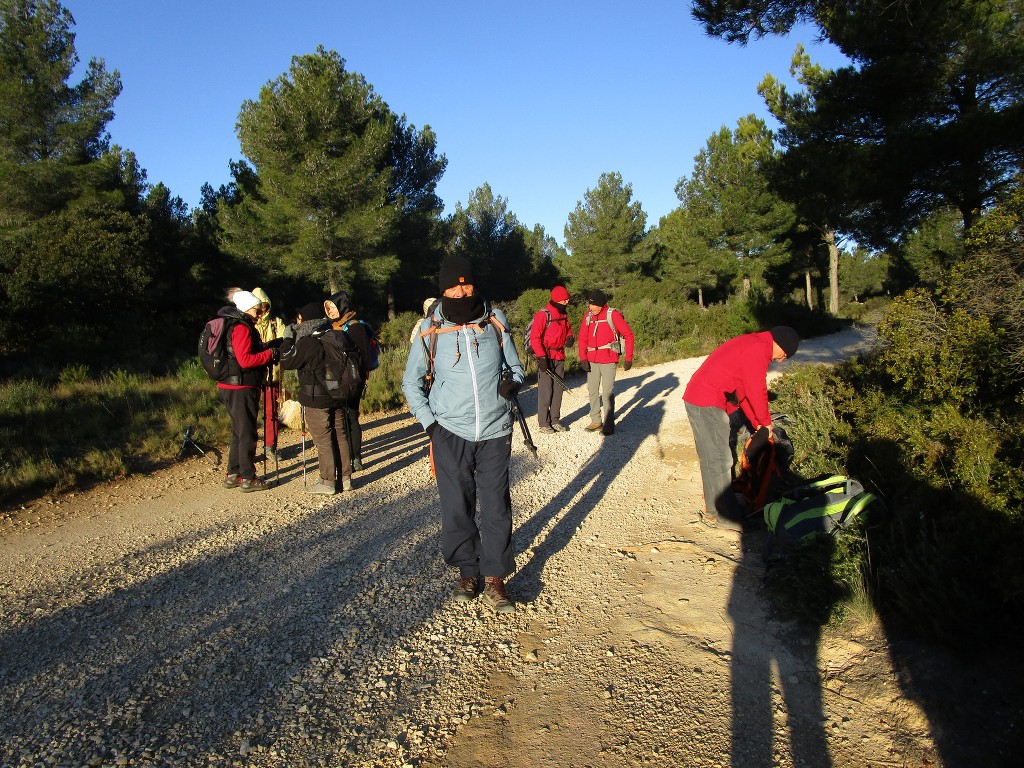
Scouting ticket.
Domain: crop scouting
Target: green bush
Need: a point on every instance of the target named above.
(941, 446)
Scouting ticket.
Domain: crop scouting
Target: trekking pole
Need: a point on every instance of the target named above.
(277, 434)
(264, 433)
(517, 411)
(558, 380)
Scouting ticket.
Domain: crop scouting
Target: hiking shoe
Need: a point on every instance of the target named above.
(466, 589)
(357, 466)
(593, 427)
(346, 483)
(496, 596)
(559, 426)
(322, 489)
(248, 486)
(608, 431)
(232, 481)
(547, 430)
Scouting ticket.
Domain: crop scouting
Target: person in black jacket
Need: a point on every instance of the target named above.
(302, 352)
(339, 309)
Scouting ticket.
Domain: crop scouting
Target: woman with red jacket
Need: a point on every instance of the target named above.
(732, 378)
(550, 334)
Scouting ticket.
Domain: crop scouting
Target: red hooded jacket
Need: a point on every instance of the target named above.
(547, 337)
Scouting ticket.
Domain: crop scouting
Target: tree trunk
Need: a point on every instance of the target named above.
(389, 293)
(700, 297)
(807, 289)
(833, 271)
(746, 286)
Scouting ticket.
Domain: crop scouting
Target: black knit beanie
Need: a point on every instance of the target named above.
(455, 270)
(786, 338)
(312, 311)
(597, 298)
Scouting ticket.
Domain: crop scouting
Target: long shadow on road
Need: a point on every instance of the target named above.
(220, 642)
(552, 527)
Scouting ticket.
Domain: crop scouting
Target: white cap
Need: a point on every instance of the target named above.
(245, 300)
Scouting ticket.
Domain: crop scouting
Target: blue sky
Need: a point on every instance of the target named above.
(536, 98)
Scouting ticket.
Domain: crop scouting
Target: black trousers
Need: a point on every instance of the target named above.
(549, 394)
(244, 408)
(468, 472)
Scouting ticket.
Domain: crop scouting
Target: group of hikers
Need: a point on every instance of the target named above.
(460, 382)
(258, 347)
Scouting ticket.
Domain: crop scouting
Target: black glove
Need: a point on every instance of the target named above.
(585, 366)
(275, 354)
(542, 364)
(627, 365)
(507, 388)
(570, 340)
(430, 429)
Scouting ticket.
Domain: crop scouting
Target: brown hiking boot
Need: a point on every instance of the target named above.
(593, 427)
(496, 596)
(248, 486)
(466, 589)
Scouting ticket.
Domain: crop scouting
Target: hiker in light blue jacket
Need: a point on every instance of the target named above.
(462, 370)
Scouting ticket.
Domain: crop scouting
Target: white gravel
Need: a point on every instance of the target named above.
(164, 620)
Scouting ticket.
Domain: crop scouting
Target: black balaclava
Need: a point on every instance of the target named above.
(464, 310)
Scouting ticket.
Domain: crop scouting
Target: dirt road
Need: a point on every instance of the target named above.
(164, 620)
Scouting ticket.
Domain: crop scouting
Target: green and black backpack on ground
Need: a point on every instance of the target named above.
(816, 509)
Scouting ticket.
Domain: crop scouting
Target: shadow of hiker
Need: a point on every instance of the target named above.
(763, 646)
(214, 644)
(573, 503)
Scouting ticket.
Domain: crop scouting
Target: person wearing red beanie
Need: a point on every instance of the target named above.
(550, 334)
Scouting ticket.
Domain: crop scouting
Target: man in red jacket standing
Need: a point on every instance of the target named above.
(550, 334)
(732, 378)
(604, 336)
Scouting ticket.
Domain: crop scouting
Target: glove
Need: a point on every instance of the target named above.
(585, 366)
(507, 388)
(288, 332)
(542, 364)
(570, 340)
(275, 354)
(430, 429)
(627, 365)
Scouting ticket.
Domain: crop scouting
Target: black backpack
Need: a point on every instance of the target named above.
(214, 348)
(342, 375)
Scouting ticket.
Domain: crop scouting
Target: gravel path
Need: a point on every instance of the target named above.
(164, 620)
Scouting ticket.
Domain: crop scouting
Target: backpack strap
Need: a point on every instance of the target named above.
(430, 348)
(611, 324)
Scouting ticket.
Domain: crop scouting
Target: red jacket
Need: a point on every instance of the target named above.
(738, 368)
(596, 333)
(248, 349)
(548, 337)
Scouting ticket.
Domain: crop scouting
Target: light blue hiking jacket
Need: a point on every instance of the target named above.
(468, 365)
